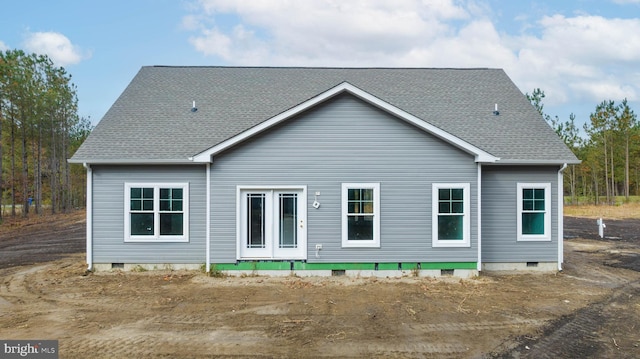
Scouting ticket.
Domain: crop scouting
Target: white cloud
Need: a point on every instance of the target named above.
(583, 58)
(605, 89)
(3, 46)
(55, 45)
(321, 32)
(599, 38)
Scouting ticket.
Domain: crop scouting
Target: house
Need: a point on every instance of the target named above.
(374, 171)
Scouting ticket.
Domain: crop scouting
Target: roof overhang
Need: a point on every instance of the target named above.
(185, 161)
(537, 162)
(345, 87)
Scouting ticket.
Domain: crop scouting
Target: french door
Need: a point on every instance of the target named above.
(272, 223)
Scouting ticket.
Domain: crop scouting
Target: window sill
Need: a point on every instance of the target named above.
(157, 240)
(534, 239)
(451, 244)
(360, 245)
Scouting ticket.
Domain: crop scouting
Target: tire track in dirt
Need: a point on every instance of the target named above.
(589, 332)
(43, 242)
(579, 335)
(14, 284)
(479, 326)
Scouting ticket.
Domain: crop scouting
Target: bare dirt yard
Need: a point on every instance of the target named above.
(589, 310)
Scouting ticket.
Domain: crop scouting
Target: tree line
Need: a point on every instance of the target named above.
(608, 146)
(39, 130)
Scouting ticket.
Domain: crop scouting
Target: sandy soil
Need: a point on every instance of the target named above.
(591, 309)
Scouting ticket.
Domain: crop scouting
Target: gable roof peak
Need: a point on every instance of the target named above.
(345, 87)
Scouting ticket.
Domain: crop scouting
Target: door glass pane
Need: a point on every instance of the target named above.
(255, 220)
(450, 227)
(533, 223)
(288, 218)
(141, 224)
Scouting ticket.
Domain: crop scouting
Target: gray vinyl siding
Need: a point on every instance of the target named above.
(346, 141)
(499, 215)
(108, 215)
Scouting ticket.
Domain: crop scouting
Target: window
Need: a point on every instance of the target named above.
(156, 212)
(450, 215)
(534, 211)
(361, 215)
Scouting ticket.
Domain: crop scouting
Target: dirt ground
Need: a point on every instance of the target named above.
(589, 310)
(38, 240)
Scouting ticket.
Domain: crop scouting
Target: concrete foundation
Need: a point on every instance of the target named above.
(139, 267)
(515, 268)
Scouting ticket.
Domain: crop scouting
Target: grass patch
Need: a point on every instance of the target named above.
(213, 271)
(138, 268)
(629, 210)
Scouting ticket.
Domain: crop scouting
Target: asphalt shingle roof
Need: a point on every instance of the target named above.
(152, 120)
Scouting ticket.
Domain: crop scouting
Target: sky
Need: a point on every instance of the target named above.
(579, 52)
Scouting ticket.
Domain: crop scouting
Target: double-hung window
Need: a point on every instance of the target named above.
(534, 211)
(361, 215)
(451, 207)
(156, 212)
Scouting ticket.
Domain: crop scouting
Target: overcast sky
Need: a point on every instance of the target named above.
(579, 52)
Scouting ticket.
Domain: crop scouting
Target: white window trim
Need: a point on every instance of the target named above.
(547, 212)
(375, 243)
(156, 212)
(466, 218)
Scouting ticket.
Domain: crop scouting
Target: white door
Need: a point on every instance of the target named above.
(272, 223)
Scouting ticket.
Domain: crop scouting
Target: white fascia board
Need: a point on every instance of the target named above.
(185, 161)
(538, 162)
(480, 155)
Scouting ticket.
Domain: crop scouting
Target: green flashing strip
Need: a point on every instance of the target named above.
(449, 265)
(334, 266)
(254, 266)
(298, 265)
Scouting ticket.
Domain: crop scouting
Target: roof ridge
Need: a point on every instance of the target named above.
(321, 67)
